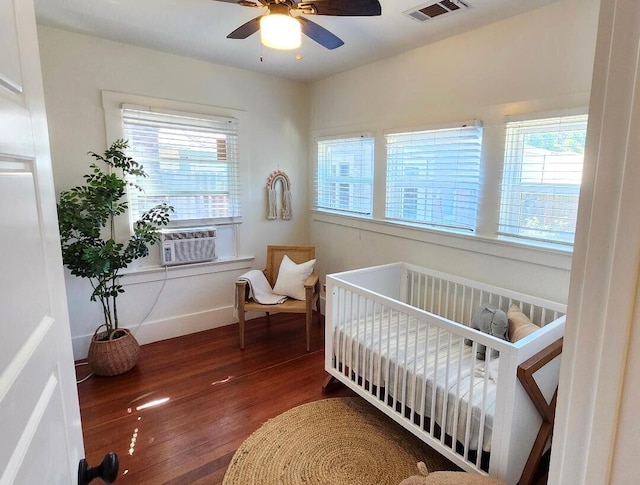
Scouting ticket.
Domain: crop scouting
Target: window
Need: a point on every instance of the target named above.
(344, 175)
(541, 179)
(191, 161)
(433, 177)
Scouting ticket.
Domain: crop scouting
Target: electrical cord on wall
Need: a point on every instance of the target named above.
(134, 332)
(155, 302)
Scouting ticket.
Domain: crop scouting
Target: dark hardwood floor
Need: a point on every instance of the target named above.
(217, 396)
(210, 396)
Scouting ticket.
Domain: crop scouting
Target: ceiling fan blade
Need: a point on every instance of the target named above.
(341, 8)
(321, 35)
(246, 3)
(247, 29)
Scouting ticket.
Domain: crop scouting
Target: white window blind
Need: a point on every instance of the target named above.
(191, 161)
(344, 175)
(433, 176)
(541, 179)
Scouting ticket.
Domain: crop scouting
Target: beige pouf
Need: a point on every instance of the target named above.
(448, 478)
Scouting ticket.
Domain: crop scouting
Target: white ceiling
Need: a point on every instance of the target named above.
(198, 29)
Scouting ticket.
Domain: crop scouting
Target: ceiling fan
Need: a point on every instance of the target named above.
(284, 11)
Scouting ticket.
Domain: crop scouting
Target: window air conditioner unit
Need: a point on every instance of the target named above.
(183, 246)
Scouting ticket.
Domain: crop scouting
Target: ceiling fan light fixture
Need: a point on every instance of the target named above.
(280, 31)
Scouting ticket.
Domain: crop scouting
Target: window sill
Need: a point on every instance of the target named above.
(148, 274)
(554, 258)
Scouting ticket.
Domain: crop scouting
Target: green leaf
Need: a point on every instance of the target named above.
(86, 217)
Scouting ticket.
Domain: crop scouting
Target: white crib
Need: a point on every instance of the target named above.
(396, 334)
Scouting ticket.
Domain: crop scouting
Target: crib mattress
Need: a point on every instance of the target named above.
(408, 358)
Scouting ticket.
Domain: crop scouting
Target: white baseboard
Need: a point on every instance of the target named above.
(168, 328)
(173, 327)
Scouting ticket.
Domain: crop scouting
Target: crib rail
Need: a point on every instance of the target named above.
(399, 336)
(457, 298)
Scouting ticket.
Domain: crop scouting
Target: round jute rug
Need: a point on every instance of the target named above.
(338, 441)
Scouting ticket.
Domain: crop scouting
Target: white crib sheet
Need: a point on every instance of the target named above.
(393, 351)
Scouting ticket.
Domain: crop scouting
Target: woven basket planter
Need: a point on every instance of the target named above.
(113, 355)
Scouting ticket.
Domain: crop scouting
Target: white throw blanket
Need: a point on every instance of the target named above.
(259, 288)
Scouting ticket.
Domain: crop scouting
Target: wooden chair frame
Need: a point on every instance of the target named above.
(297, 254)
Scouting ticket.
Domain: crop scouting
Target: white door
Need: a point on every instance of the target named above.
(40, 432)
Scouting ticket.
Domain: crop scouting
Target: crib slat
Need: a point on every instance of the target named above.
(423, 399)
(403, 365)
(425, 293)
(343, 308)
(414, 384)
(372, 353)
(471, 304)
(483, 413)
(445, 313)
(455, 304)
(464, 299)
(356, 369)
(351, 317)
(456, 407)
(434, 393)
(379, 326)
(433, 295)
(388, 354)
(467, 431)
(445, 389)
(396, 366)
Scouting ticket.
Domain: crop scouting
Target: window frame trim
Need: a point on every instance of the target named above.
(434, 127)
(539, 115)
(555, 257)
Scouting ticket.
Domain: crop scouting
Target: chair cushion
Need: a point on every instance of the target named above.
(291, 277)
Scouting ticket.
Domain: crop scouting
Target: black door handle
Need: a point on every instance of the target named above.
(107, 470)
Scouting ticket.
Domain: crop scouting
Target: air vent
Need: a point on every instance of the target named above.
(438, 9)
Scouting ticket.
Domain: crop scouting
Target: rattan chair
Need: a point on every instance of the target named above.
(297, 254)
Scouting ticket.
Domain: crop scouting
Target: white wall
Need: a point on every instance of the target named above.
(274, 131)
(536, 62)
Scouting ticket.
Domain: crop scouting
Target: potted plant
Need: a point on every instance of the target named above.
(86, 219)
